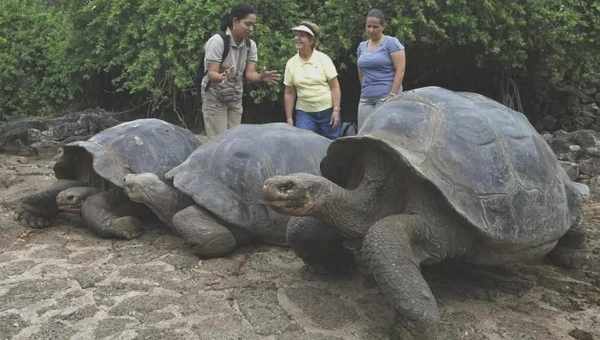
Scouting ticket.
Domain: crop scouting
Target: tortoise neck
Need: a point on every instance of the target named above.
(164, 201)
(353, 211)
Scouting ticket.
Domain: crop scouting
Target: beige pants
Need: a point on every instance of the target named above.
(366, 106)
(219, 116)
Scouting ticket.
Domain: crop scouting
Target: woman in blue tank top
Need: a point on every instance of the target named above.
(381, 63)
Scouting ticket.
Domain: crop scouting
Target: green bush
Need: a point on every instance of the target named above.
(35, 73)
(150, 49)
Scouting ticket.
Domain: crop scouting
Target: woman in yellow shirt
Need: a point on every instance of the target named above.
(311, 78)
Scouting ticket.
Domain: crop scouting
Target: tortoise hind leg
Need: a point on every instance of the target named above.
(113, 215)
(208, 237)
(571, 251)
(393, 257)
(37, 210)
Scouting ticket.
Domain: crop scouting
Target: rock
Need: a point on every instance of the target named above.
(594, 185)
(32, 136)
(592, 151)
(585, 138)
(47, 148)
(560, 145)
(9, 180)
(571, 168)
(580, 334)
(590, 167)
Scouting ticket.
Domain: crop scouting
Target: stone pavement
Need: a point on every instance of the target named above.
(64, 282)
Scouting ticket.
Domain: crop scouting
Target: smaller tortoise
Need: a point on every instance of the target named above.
(215, 200)
(90, 176)
(432, 175)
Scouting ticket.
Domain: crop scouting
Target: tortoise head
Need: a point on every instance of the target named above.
(71, 199)
(298, 194)
(143, 188)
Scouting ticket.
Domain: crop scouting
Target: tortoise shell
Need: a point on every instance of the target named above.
(226, 176)
(143, 145)
(486, 160)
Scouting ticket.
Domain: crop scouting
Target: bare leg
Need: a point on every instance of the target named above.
(208, 237)
(37, 210)
(111, 214)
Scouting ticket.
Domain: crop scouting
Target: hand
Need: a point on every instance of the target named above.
(389, 96)
(270, 77)
(219, 77)
(335, 119)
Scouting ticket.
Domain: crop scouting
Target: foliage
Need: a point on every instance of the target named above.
(151, 49)
(34, 70)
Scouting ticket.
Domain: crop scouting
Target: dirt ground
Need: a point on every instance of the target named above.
(63, 282)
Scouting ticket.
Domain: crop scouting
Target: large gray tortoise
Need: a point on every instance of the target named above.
(214, 198)
(432, 175)
(90, 176)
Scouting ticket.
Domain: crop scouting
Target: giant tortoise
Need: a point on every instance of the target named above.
(90, 176)
(214, 198)
(432, 175)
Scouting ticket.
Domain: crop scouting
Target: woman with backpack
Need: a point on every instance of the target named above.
(229, 58)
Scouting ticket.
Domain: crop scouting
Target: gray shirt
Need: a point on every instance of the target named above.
(237, 58)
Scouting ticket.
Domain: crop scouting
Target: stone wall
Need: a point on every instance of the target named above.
(38, 135)
(579, 108)
(579, 154)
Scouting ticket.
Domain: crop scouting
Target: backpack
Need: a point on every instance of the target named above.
(226, 48)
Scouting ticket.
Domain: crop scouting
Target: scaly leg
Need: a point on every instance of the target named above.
(318, 245)
(37, 210)
(208, 237)
(393, 255)
(113, 215)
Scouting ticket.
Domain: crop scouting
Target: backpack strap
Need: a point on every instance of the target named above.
(226, 48)
(226, 45)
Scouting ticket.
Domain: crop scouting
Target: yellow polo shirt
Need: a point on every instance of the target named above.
(311, 79)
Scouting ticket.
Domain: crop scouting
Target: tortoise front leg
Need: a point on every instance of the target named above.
(208, 237)
(392, 253)
(319, 245)
(113, 215)
(37, 210)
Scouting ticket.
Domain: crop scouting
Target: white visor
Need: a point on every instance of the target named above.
(303, 28)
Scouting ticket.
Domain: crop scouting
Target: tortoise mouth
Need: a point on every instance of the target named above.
(286, 197)
(72, 209)
(290, 207)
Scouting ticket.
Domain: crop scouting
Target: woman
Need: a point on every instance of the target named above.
(311, 78)
(222, 84)
(381, 64)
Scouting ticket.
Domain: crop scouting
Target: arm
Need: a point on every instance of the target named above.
(399, 59)
(214, 73)
(215, 69)
(252, 75)
(289, 97)
(336, 96)
(358, 53)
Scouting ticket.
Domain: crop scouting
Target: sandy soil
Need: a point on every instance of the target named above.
(64, 282)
